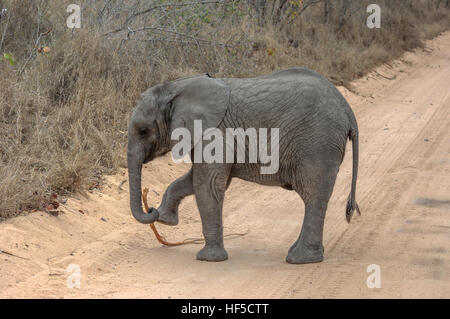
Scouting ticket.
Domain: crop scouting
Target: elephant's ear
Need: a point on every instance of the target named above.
(196, 98)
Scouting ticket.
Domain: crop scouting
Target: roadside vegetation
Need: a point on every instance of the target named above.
(66, 94)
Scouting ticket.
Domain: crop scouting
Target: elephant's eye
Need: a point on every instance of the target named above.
(142, 131)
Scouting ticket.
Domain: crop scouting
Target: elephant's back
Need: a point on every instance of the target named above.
(293, 71)
(286, 96)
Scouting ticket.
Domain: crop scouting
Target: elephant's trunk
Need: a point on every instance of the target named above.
(135, 175)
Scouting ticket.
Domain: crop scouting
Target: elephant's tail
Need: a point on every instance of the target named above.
(351, 202)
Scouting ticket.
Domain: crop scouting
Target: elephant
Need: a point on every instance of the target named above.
(314, 122)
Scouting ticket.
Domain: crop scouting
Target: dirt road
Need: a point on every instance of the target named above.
(403, 111)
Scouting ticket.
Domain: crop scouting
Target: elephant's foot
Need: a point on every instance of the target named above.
(212, 253)
(167, 217)
(300, 253)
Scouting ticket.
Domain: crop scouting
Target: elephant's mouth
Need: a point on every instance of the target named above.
(152, 155)
(148, 158)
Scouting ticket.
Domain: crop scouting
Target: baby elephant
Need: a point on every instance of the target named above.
(296, 113)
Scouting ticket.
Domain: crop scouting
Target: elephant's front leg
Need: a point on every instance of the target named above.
(210, 184)
(180, 188)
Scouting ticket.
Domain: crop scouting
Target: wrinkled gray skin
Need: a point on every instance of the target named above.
(314, 120)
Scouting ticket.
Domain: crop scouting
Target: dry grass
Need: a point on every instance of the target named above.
(63, 114)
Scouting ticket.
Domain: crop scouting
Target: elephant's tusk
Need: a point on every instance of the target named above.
(163, 241)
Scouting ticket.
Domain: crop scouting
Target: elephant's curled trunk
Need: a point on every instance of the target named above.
(135, 175)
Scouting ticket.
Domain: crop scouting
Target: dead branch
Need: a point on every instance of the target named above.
(2, 251)
(194, 40)
(173, 5)
(4, 31)
(136, 14)
(303, 9)
(163, 241)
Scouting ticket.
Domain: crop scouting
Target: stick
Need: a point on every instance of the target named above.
(160, 238)
(4, 31)
(10, 254)
(163, 241)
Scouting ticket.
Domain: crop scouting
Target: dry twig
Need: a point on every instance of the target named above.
(163, 241)
(11, 254)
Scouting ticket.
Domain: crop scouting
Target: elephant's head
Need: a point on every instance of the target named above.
(159, 111)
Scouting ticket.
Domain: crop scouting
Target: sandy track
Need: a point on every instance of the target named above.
(403, 191)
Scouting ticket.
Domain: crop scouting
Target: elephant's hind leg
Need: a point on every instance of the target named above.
(179, 189)
(210, 183)
(317, 191)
